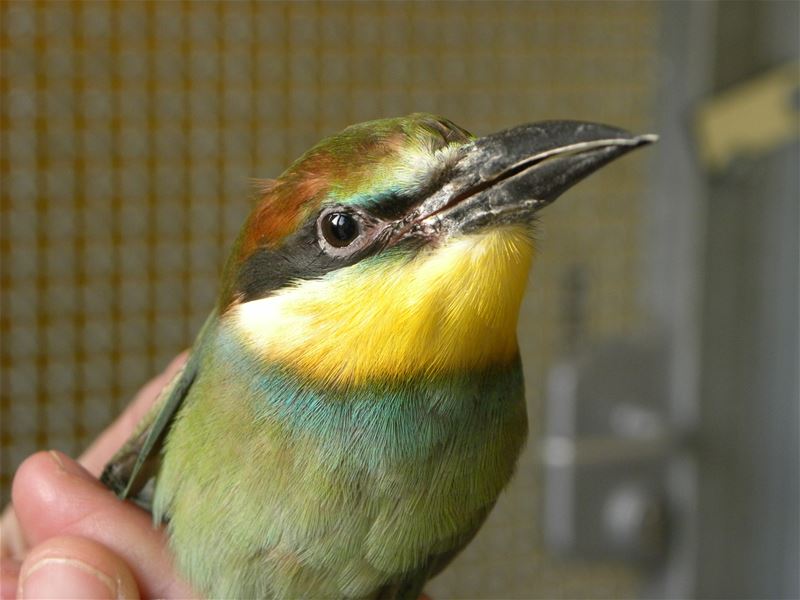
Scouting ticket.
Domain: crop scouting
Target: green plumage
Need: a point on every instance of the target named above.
(274, 488)
(354, 404)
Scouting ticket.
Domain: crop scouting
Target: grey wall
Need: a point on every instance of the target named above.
(748, 443)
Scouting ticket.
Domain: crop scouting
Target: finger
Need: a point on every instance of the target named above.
(12, 544)
(75, 567)
(9, 574)
(53, 496)
(110, 440)
(12, 549)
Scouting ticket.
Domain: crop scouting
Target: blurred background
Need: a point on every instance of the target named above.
(660, 330)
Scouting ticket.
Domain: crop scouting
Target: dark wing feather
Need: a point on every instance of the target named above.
(131, 471)
(136, 463)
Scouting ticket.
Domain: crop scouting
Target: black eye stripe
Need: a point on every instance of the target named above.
(303, 255)
(300, 257)
(269, 269)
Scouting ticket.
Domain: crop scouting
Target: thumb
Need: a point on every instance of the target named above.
(54, 496)
(75, 567)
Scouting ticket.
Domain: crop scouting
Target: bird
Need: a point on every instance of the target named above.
(354, 404)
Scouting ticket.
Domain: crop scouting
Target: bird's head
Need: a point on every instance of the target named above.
(401, 247)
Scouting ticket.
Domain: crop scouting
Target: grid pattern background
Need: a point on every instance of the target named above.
(130, 134)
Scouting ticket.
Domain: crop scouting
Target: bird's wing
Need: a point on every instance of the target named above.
(131, 470)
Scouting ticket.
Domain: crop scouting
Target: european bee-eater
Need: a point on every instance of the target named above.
(354, 403)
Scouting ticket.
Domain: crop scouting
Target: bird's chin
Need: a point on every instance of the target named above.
(441, 310)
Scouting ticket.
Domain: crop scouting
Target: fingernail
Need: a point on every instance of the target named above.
(65, 464)
(68, 465)
(65, 578)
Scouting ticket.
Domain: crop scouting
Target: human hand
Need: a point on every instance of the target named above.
(67, 536)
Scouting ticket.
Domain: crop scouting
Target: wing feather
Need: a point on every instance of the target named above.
(131, 471)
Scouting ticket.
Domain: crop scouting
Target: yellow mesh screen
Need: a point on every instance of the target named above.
(130, 133)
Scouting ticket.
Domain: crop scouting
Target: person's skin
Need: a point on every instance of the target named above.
(67, 536)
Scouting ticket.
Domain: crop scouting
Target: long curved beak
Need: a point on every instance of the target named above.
(506, 177)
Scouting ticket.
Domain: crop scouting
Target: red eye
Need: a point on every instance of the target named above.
(339, 229)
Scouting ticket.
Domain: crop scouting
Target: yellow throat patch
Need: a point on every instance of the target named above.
(450, 309)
